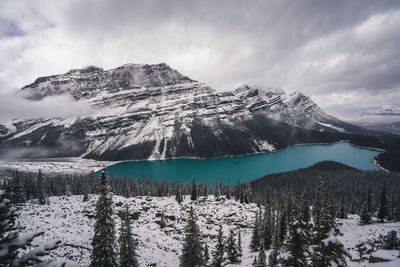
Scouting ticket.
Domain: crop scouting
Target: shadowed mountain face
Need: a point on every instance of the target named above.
(153, 111)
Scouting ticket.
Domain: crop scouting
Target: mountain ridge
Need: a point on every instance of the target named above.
(153, 111)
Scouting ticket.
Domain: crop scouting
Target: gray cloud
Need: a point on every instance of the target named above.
(13, 106)
(340, 53)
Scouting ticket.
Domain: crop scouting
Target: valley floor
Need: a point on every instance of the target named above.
(71, 165)
(70, 220)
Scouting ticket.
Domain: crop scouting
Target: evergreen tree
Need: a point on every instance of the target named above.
(239, 245)
(228, 191)
(383, 205)
(298, 241)
(255, 262)
(241, 195)
(237, 190)
(365, 216)
(256, 238)
(206, 255)
(266, 230)
(391, 241)
(219, 252)
(178, 196)
(282, 228)
(104, 242)
(217, 192)
(40, 188)
(162, 220)
(342, 211)
(328, 248)
(127, 245)
(191, 251)
(370, 204)
(232, 249)
(18, 189)
(11, 241)
(262, 258)
(194, 189)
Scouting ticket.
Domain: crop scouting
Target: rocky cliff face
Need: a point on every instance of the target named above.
(153, 111)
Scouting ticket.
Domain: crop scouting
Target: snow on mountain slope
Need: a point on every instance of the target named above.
(153, 111)
(70, 220)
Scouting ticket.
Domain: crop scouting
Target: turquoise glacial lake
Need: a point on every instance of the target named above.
(248, 167)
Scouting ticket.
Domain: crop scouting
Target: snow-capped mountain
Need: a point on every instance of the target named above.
(153, 111)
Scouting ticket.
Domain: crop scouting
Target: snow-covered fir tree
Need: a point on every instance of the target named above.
(192, 254)
(206, 255)
(262, 258)
(219, 251)
(104, 241)
(127, 245)
(232, 248)
(193, 195)
(256, 237)
(383, 205)
(12, 241)
(40, 188)
(18, 193)
(328, 250)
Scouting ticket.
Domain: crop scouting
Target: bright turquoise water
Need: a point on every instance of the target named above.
(245, 168)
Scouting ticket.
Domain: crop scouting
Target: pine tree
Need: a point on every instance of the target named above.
(194, 189)
(18, 189)
(328, 248)
(191, 251)
(232, 249)
(104, 242)
(206, 255)
(365, 216)
(217, 192)
(255, 238)
(383, 208)
(237, 190)
(298, 241)
(239, 245)
(282, 228)
(266, 230)
(255, 262)
(219, 252)
(40, 189)
(262, 258)
(228, 191)
(391, 241)
(11, 241)
(163, 224)
(127, 245)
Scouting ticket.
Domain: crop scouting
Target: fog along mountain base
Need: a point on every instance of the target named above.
(154, 112)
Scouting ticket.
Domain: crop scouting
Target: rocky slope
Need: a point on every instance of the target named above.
(70, 220)
(153, 111)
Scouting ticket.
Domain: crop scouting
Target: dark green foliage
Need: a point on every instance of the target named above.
(127, 245)
(192, 255)
(383, 205)
(239, 244)
(298, 241)
(391, 241)
(206, 255)
(262, 258)
(18, 194)
(40, 189)
(256, 237)
(104, 240)
(232, 248)
(163, 224)
(193, 195)
(365, 217)
(282, 228)
(12, 242)
(219, 252)
(266, 229)
(328, 248)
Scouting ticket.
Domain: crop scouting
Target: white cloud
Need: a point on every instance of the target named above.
(318, 47)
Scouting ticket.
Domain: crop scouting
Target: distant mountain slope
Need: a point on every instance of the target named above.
(153, 111)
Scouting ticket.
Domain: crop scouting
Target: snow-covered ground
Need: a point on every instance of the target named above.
(70, 220)
(55, 165)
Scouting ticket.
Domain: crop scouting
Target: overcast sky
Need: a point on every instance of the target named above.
(344, 54)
